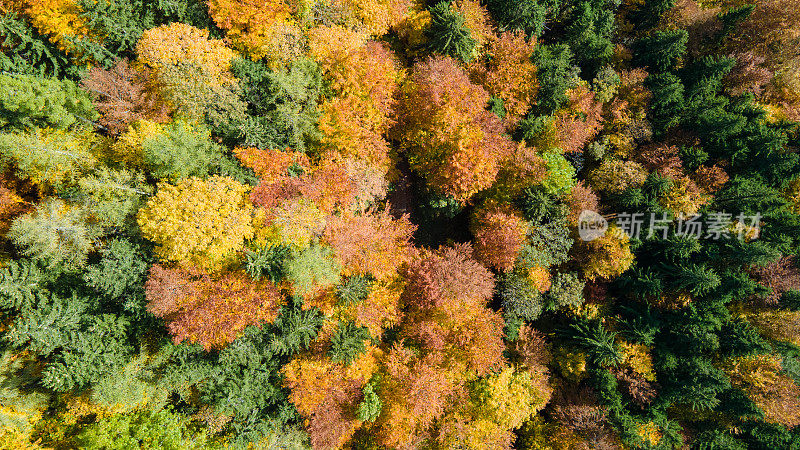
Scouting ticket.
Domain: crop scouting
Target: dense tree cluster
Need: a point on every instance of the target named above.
(363, 224)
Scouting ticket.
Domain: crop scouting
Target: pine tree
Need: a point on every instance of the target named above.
(448, 34)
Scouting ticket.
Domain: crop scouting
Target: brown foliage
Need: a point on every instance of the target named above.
(124, 94)
(334, 421)
(448, 279)
(582, 197)
(664, 159)
(641, 391)
(780, 276)
(710, 178)
(748, 75)
(532, 349)
(499, 235)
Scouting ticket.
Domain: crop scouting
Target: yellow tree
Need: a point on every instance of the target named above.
(251, 25)
(198, 222)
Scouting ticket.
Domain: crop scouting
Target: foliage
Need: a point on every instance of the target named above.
(28, 101)
(448, 34)
(56, 234)
(164, 429)
(198, 222)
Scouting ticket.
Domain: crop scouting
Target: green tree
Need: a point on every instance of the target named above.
(448, 34)
(28, 101)
(56, 234)
(662, 50)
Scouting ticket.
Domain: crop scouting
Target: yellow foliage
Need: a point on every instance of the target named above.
(59, 19)
(251, 25)
(52, 158)
(412, 28)
(540, 278)
(128, 148)
(756, 371)
(684, 197)
(607, 256)
(311, 376)
(198, 222)
(649, 433)
(378, 16)
(296, 222)
(637, 357)
(570, 364)
(326, 43)
(792, 194)
(476, 20)
(176, 44)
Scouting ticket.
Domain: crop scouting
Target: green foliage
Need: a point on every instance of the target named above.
(597, 341)
(312, 269)
(519, 297)
(143, 429)
(560, 174)
(282, 104)
(526, 15)
(114, 196)
(26, 51)
(267, 262)
(54, 234)
(547, 245)
(589, 33)
(557, 75)
(182, 150)
(566, 290)
(662, 50)
(120, 274)
(354, 290)
(538, 206)
(668, 105)
(28, 101)
(370, 408)
(347, 343)
(448, 34)
(20, 281)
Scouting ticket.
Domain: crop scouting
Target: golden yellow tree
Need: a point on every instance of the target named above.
(198, 222)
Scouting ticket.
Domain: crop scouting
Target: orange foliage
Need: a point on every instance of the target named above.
(365, 78)
(579, 121)
(249, 24)
(210, 311)
(499, 235)
(415, 391)
(447, 278)
(123, 95)
(270, 165)
(373, 243)
(453, 142)
(509, 73)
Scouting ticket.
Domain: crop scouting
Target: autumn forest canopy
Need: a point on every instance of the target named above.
(400, 224)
